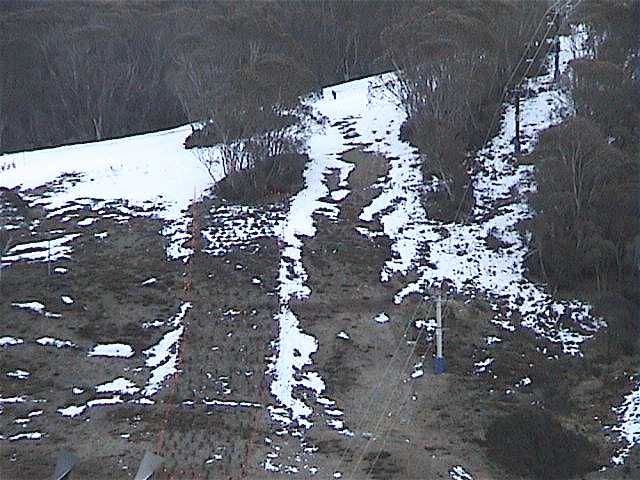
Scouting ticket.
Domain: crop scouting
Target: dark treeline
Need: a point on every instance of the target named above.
(75, 71)
(81, 71)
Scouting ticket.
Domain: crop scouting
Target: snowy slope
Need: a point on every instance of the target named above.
(152, 172)
(459, 253)
(153, 175)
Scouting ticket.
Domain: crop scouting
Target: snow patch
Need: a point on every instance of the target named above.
(628, 429)
(418, 370)
(339, 195)
(483, 365)
(111, 350)
(26, 436)
(120, 385)
(381, 318)
(87, 221)
(72, 410)
(458, 473)
(10, 341)
(162, 357)
(54, 342)
(46, 250)
(12, 400)
(36, 307)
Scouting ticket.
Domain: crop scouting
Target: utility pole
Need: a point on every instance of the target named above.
(556, 58)
(516, 93)
(556, 61)
(438, 362)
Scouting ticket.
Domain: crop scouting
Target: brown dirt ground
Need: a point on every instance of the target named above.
(403, 428)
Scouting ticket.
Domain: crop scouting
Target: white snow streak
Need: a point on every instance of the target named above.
(629, 427)
(162, 357)
(42, 251)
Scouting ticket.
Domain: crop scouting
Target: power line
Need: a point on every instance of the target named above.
(385, 430)
(383, 377)
(386, 407)
(411, 353)
(553, 7)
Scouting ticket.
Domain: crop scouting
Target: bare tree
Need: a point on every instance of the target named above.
(579, 176)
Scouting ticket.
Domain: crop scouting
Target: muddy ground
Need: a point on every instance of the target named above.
(402, 427)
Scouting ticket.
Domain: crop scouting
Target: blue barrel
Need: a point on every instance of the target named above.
(439, 365)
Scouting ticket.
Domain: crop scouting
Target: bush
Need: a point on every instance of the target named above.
(579, 176)
(444, 158)
(622, 333)
(203, 137)
(281, 175)
(533, 443)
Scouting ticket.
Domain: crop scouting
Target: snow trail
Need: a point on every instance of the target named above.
(291, 365)
(459, 253)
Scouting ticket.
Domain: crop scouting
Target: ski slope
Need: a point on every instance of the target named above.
(152, 175)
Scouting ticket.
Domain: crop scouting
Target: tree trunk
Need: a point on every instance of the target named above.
(97, 127)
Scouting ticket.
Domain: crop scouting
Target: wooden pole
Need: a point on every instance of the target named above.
(438, 362)
(517, 102)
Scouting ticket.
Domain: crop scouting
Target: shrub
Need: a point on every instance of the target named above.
(444, 158)
(533, 443)
(622, 333)
(579, 175)
(274, 176)
(207, 136)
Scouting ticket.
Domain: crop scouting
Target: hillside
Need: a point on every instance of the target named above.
(141, 312)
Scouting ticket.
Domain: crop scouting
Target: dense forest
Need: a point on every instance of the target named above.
(81, 71)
